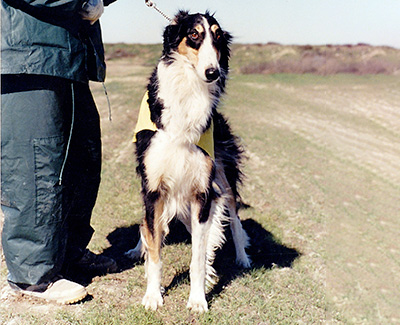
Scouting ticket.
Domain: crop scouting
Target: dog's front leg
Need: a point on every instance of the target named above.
(200, 230)
(151, 234)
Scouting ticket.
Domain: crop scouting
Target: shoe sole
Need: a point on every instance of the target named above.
(63, 301)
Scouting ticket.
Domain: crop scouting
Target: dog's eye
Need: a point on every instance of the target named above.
(194, 35)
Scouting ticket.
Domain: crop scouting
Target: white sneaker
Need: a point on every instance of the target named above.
(61, 291)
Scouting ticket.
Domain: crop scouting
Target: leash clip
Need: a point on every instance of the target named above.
(151, 4)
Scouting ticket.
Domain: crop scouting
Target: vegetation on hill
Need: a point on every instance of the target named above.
(272, 58)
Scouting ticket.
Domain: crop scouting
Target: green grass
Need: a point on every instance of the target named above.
(322, 184)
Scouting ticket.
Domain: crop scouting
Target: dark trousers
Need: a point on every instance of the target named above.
(47, 223)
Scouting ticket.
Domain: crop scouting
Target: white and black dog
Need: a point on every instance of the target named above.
(179, 179)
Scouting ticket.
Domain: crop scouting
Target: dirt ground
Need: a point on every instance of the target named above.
(323, 186)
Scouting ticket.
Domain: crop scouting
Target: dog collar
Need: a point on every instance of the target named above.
(144, 122)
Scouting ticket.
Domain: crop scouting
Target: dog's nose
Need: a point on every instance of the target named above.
(212, 74)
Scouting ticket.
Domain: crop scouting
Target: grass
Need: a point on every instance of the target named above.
(322, 185)
(358, 59)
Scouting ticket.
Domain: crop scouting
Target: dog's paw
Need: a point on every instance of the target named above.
(197, 305)
(152, 301)
(134, 254)
(243, 261)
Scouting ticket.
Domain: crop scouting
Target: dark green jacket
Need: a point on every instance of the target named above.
(48, 37)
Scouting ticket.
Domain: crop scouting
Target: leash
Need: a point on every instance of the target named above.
(151, 4)
(70, 136)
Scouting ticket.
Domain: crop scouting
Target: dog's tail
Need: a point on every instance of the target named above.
(229, 152)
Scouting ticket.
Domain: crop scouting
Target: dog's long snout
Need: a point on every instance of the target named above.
(212, 74)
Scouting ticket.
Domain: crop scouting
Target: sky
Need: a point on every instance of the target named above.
(301, 22)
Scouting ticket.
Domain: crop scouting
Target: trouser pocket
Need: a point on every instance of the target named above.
(48, 157)
(34, 233)
(33, 119)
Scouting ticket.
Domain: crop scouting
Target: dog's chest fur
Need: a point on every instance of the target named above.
(173, 162)
(187, 101)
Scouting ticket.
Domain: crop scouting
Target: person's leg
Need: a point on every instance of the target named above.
(81, 177)
(81, 182)
(32, 153)
(34, 111)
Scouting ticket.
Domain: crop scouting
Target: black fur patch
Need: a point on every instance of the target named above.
(228, 150)
(205, 199)
(156, 105)
(150, 198)
(143, 140)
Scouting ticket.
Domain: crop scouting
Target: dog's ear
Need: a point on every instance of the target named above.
(172, 32)
(228, 37)
(179, 17)
(225, 50)
(171, 38)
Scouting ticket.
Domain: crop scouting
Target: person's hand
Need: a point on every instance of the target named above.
(92, 10)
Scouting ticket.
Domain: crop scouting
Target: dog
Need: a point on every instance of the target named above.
(179, 178)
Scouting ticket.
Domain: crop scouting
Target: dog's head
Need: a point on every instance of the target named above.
(201, 41)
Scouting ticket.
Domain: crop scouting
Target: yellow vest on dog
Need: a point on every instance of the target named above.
(144, 122)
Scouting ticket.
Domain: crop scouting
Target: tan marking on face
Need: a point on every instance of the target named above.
(214, 28)
(189, 52)
(199, 28)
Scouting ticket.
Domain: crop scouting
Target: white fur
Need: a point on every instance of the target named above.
(186, 96)
(186, 112)
(177, 168)
(216, 236)
(200, 232)
(208, 56)
(153, 299)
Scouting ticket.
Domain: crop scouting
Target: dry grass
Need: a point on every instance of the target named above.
(322, 60)
(273, 58)
(322, 187)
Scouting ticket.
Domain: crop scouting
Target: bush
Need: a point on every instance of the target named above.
(358, 59)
